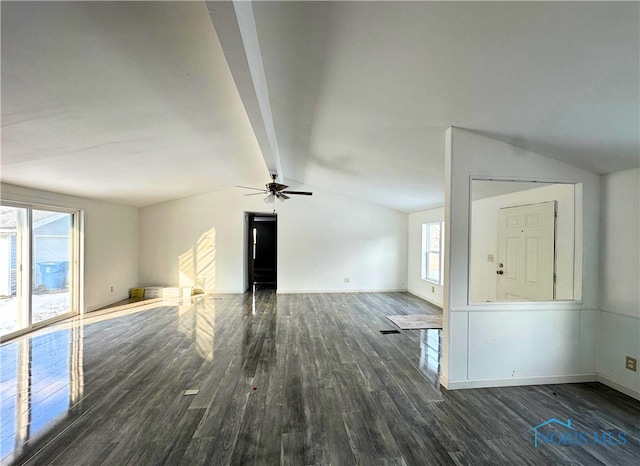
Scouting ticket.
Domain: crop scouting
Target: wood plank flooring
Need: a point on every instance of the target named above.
(283, 379)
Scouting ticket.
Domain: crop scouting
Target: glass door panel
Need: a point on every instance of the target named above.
(38, 264)
(14, 279)
(52, 258)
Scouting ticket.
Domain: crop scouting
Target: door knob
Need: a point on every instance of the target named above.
(499, 272)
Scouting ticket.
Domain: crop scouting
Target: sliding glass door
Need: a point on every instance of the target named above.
(38, 266)
(52, 248)
(14, 282)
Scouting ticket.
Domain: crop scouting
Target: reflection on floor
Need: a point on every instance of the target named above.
(281, 379)
(430, 355)
(41, 379)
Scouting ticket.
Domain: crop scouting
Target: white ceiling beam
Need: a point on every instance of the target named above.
(235, 26)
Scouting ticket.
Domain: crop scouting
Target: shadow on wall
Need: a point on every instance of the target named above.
(197, 266)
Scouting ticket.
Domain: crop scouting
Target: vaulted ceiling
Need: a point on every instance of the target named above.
(148, 101)
(130, 102)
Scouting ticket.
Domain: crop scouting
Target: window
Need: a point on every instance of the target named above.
(432, 257)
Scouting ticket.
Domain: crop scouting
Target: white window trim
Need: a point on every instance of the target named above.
(425, 253)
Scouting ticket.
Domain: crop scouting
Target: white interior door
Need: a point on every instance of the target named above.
(526, 252)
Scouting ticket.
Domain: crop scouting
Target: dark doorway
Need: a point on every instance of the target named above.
(262, 248)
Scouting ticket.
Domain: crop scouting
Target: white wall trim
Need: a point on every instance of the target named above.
(619, 387)
(553, 307)
(421, 296)
(389, 290)
(108, 303)
(210, 292)
(621, 314)
(518, 381)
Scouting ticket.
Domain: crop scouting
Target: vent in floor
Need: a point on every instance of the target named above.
(386, 332)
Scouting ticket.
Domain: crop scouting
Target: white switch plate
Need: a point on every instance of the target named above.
(631, 363)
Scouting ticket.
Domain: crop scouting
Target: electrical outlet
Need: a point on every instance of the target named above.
(490, 257)
(346, 280)
(631, 363)
(112, 288)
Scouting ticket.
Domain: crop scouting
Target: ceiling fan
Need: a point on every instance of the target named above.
(275, 191)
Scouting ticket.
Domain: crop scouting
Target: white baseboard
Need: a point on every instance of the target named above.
(100, 306)
(512, 382)
(619, 387)
(430, 301)
(389, 290)
(222, 292)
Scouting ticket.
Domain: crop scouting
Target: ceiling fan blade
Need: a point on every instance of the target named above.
(278, 186)
(303, 193)
(282, 196)
(255, 194)
(247, 187)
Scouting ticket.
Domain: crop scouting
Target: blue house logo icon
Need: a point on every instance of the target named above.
(556, 432)
(540, 435)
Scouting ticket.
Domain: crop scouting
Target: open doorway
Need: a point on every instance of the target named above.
(262, 248)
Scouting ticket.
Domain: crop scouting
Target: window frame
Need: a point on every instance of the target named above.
(76, 265)
(428, 250)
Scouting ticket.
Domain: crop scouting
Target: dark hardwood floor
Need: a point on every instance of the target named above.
(281, 379)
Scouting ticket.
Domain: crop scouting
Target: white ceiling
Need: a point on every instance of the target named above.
(136, 104)
(128, 102)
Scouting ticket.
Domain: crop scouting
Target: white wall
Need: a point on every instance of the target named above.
(322, 240)
(492, 344)
(110, 243)
(619, 317)
(416, 284)
(484, 238)
(325, 238)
